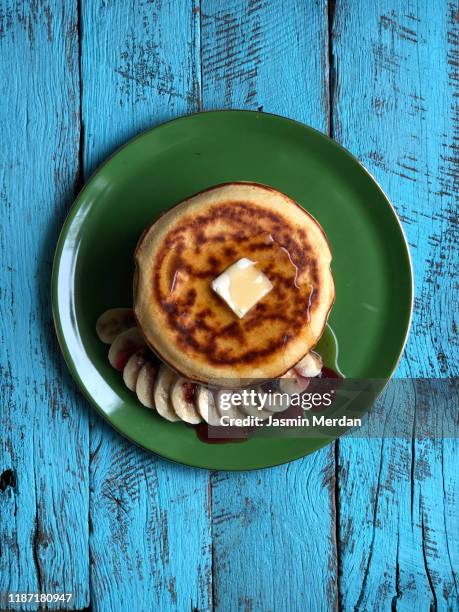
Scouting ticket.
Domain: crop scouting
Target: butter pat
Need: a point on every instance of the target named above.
(241, 286)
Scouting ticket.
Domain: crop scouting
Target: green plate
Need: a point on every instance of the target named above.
(93, 264)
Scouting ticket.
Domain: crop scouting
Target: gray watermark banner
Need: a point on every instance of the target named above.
(330, 407)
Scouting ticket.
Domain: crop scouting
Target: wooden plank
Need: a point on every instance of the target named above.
(150, 529)
(44, 441)
(141, 69)
(150, 533)
(273, 530)
(395, 107)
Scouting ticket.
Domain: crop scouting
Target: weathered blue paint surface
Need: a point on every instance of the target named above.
(360, 524)
(394, 106)
(43, 422)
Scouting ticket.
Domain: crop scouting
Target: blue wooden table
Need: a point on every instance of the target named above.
(359, 525)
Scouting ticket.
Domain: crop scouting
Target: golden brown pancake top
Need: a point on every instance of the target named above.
(190, 326)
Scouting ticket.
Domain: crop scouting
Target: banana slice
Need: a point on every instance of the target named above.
(113, 322)
(291, 382)
(165, 380)
(125, 345)
(310, 366)
(182, 398)
(132, 368)
(205, 403)
(146, 384)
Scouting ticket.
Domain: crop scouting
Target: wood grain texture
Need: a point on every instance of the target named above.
(44, 424)
(140, 68)
(150, 527)
(395, 107)
(273, 531)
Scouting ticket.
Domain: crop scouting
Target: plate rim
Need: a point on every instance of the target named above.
(78, 201)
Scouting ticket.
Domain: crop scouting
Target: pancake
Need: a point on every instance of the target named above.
(190, 327)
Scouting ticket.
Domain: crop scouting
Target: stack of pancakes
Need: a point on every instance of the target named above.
(190, 327)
